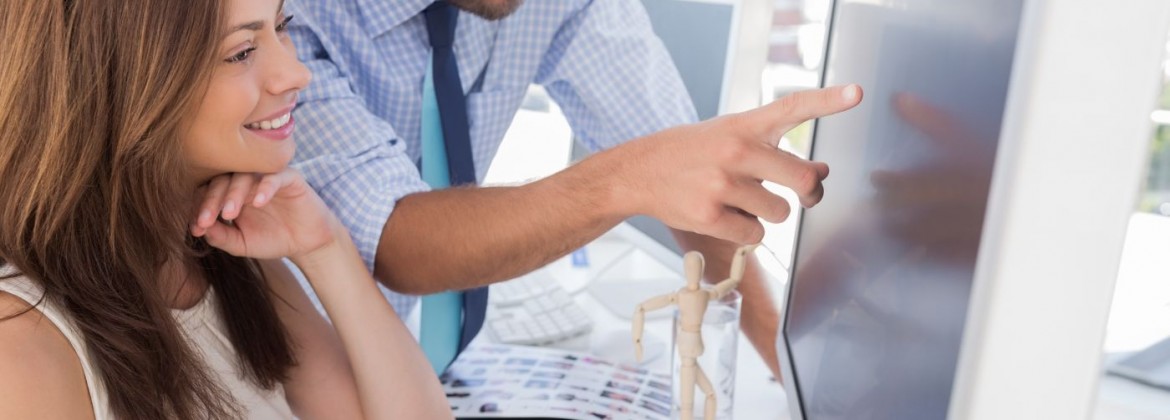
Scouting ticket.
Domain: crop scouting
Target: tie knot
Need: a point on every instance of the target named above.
(441, 18)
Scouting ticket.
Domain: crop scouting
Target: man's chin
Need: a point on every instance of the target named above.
(488, 9)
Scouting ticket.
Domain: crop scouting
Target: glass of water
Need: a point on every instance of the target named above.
(720, 335)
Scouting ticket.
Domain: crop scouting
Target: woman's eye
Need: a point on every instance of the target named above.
(283, 25)
(241, 56)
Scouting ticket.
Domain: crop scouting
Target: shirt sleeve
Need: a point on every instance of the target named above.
(353, 159)
(612, 76)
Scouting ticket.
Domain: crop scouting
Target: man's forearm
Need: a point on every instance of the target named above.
(702, 177)
(759, 317)
(460, 238)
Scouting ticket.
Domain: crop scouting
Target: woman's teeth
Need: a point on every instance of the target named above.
(270, 124)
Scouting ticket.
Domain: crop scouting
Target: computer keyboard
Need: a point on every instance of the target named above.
(517, 291)
(534, 310)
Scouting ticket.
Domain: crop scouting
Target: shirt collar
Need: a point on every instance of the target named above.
(383, 15)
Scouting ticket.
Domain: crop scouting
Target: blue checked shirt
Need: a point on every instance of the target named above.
(359, 119)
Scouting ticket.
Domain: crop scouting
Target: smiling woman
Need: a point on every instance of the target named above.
(147, 203)
(244, 123)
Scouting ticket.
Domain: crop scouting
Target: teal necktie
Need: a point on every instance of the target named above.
(442, 312)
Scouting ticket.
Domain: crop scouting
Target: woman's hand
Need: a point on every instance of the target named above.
(264, 216)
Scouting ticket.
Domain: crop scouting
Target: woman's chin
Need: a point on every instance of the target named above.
(274, 168)
(279, 162)
(261, 168)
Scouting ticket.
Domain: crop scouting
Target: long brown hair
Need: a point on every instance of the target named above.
(93, 95)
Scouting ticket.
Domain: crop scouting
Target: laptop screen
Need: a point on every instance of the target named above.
(884, 263)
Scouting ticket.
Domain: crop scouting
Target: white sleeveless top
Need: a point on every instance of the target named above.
(205, 332)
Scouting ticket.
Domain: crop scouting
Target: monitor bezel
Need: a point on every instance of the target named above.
(787, 367)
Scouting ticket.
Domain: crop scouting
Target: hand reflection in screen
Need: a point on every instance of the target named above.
(927, 214)
(939, 203)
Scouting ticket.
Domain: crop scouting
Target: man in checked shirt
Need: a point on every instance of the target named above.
(361, 125)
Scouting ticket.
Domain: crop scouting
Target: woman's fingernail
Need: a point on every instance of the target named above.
(228, 207)
(204, 216)
(259, 199)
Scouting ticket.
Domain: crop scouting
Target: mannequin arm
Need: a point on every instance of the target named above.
(723, 288)
(654, 303)
(738, 264)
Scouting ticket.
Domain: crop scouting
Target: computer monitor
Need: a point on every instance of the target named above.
(698, 36)
(883, 266)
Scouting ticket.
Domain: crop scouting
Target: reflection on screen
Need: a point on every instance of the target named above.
(885, 262)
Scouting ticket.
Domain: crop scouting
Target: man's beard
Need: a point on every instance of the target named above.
(488, 9)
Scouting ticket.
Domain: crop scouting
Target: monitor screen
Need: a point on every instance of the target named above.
(884, 264)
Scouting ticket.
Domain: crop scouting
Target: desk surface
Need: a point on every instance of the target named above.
(757, 395)
(1141, 316)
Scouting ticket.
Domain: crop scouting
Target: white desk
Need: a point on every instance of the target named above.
(1140, 316)
(757, 395)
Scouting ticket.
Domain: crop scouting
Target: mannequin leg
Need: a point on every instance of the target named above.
(687, 387)
(708, 390)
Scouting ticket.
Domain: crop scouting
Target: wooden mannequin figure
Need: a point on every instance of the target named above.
(692, 303)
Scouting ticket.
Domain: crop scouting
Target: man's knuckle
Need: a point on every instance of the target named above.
(816, 196)
(756, 235)
(780, 211)
(789, 104)
(719, 184)
(751, 233)
(735, 151)
(806, 180)
(708, 215)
